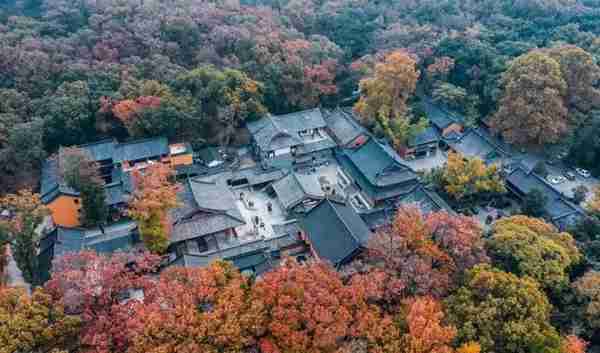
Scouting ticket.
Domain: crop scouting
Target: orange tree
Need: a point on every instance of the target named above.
(310, 309)
(155, 194)
(384, 94)
(424, 254)
(197, 310)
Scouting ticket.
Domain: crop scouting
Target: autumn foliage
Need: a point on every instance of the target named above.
(95, 288)
(384, 96)
(532, 109)
(155, 194)
(196, 310)
(34, 323)
(465, 178)
(503, 312)
(128, 110)
(310, 309)
(423, 253)
(531, 247)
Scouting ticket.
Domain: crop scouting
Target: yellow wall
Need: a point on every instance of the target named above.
(65, 211)
(182, 159)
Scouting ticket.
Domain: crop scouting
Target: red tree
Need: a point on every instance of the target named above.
(96, 287)
(573, 344)
(128, 110)
(422, 254)
(309, 309)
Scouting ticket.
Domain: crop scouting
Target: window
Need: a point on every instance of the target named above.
(202, 245)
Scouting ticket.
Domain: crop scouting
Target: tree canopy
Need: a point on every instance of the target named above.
(530, 247)
(503, 312)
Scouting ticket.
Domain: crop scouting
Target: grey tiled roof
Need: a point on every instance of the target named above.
(556, 205)
(438, 116)
(120, 236)
(428, 135)
(212, 195)
(51, 187)
(478, 143)
(205, 208)
(276, 132)
(256, 259)
(253, 175)
(50, 183)
(294, 188)
(141, 149)
(426, 200)
(343, 126)
(254, 253)
(335, 231)
(202, 225)
(315, 146)
(379, 164)
(121, 188)
(101, 150)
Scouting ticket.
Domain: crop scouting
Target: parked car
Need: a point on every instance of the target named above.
(583, 172)
(552, 179)
(569, 175)
(555, 179)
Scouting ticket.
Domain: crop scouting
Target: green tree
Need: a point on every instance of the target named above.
(587, 233)
(69, 115)
(534, 203)
(457, 98)
(584, 150)
(580, 193)
(22, 155)
(81, 173)
(23, 230)
(216, 91)
(541, 169)
(532, 109)
(503, 312)
(531, 247)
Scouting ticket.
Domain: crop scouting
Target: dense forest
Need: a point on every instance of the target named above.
(76, 71)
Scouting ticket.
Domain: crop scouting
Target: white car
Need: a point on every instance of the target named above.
(555, 179)
(583, 172)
